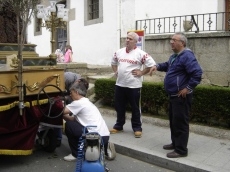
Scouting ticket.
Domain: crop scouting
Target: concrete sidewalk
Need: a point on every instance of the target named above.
(209, 152)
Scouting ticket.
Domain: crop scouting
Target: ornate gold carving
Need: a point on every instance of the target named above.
(48, 79)
(14, 84)
(33, 87)
(4, 89)
(14, 63)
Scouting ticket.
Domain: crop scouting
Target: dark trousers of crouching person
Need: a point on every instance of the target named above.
(73, 131)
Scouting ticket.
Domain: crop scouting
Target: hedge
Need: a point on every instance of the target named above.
(211, 104)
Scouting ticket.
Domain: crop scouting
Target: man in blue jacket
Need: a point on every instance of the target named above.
(183, 74)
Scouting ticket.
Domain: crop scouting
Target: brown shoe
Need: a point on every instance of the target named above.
(115, 131)
(137, 134)
(168, 147)
(175, 155)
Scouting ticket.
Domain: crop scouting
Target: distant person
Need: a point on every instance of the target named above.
(183, 74)
(60, 56)
(68, 54)
(84, 113)
(127, 64)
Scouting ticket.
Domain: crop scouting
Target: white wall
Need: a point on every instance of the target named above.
(167, 8)
(43, 47)
(128, 16)
(95, 44)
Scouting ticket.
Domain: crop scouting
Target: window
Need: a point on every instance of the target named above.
(61, 39)
(37, 27)
(93, 12)
(93, 9)
(61, 33)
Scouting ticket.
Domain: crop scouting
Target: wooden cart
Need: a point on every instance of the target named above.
(43, 104)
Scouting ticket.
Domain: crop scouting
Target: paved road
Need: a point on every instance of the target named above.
(41, 161)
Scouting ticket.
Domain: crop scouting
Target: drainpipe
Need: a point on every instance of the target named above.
(119, 24)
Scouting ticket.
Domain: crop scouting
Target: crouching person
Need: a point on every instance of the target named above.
(84, 113)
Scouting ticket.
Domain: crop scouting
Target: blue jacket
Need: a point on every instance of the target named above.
(184, 72)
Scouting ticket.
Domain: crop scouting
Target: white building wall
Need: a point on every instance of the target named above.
(167, 8)
(43, 47)
(128, 16)
(95, 44)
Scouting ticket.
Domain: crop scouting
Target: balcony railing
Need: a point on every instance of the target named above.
(209, 22)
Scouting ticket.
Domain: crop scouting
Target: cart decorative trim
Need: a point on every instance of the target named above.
(15, 152)
(41, 102)
(35, 86)
(12, 105)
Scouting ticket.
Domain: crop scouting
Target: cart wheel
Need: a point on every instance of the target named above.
(50, 140)
(48, 108)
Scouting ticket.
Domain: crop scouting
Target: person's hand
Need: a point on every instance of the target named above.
(137, 72)
(115, 74)
(183, 92)
(153, 69)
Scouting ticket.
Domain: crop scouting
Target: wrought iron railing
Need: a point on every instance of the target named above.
(209, 22)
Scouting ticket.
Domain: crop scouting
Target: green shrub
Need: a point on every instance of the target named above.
(211, 106)
(104, 89)
(210, 103)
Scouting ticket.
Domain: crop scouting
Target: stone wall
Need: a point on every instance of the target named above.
(211, 49)
(86, 70)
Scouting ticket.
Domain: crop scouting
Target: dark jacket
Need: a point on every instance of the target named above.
(184, 72)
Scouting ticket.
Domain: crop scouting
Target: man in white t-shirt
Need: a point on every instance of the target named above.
(127, 64)
(84, 113)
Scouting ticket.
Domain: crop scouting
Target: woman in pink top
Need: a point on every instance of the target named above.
(68, 54)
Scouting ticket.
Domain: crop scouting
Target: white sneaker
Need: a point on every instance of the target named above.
(70, 157)
(111, 152)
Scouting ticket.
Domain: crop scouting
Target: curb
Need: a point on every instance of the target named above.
(156, 160)
(198, 129)
(144, 155)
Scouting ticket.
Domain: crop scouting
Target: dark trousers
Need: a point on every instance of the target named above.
(74, 131)
(58, 132)
(179, 109)
(123, 96)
